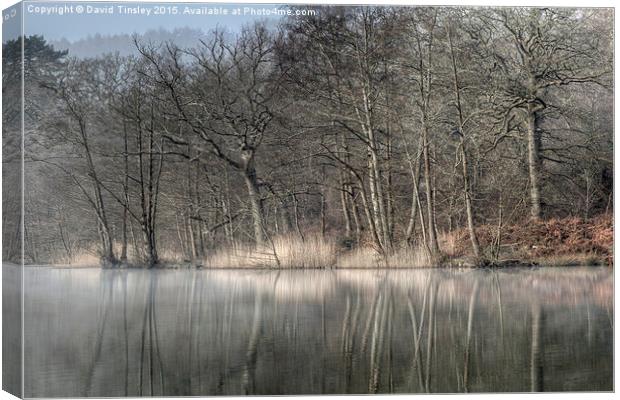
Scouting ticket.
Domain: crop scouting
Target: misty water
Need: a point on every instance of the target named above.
(94, 332)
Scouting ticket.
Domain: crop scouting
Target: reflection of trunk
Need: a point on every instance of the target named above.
(149, 346)
(251, 355)
(143, 346)
(348, 340)
(191, 301)
(536, 367)
(417, 348)
(470, 322)
(376, 348)
(417, 360)
(498, 289)
(346, 324)
(390, 341)
(369, 322)
(106, 299)
(125, 333)
(429, 339)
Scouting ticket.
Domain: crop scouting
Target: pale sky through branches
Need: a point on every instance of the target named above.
(75, 20)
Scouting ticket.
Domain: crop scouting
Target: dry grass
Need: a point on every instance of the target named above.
(449, 243)
(409, 257)
(85, 259)
(362, 257)
(239, 257)
(290, 252)
(312, 252)
(406, 257)
(315, 252)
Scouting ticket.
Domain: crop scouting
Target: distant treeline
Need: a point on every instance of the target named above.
(371, 127)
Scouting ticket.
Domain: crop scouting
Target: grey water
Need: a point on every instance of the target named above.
(94, 332)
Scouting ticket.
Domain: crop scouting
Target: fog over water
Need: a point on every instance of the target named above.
(93, 332)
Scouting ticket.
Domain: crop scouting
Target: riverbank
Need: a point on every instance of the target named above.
(556, 242)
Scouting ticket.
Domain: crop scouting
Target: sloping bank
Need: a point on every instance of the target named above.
(569, 241)
(560, 241)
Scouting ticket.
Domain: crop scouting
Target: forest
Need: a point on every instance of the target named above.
(357, 137)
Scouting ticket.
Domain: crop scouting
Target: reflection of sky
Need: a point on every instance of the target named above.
(78, 19)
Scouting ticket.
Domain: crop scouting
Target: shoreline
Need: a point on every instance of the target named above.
(555, 242)
(455, 264)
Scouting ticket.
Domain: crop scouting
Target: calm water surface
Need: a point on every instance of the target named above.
(93, 332)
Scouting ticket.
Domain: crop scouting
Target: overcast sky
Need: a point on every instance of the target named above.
(77, 20)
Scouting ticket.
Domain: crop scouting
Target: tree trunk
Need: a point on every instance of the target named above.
(468, 206)
(376, 194)
(296, 212)
(356, 215)
(107, 251)
(533, 147)
(191, 238)
(430, 201)
(151, 249)
(189, 228)
(466, 185)
(371, 221)
(256, 203)
(414, 169)
(125, 192)
(323, 214)
(346, 213)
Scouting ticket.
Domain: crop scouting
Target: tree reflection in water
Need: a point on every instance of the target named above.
(94, 332)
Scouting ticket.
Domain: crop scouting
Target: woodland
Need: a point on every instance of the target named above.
(357, 137)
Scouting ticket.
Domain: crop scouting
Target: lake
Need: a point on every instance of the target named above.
(94, 332)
